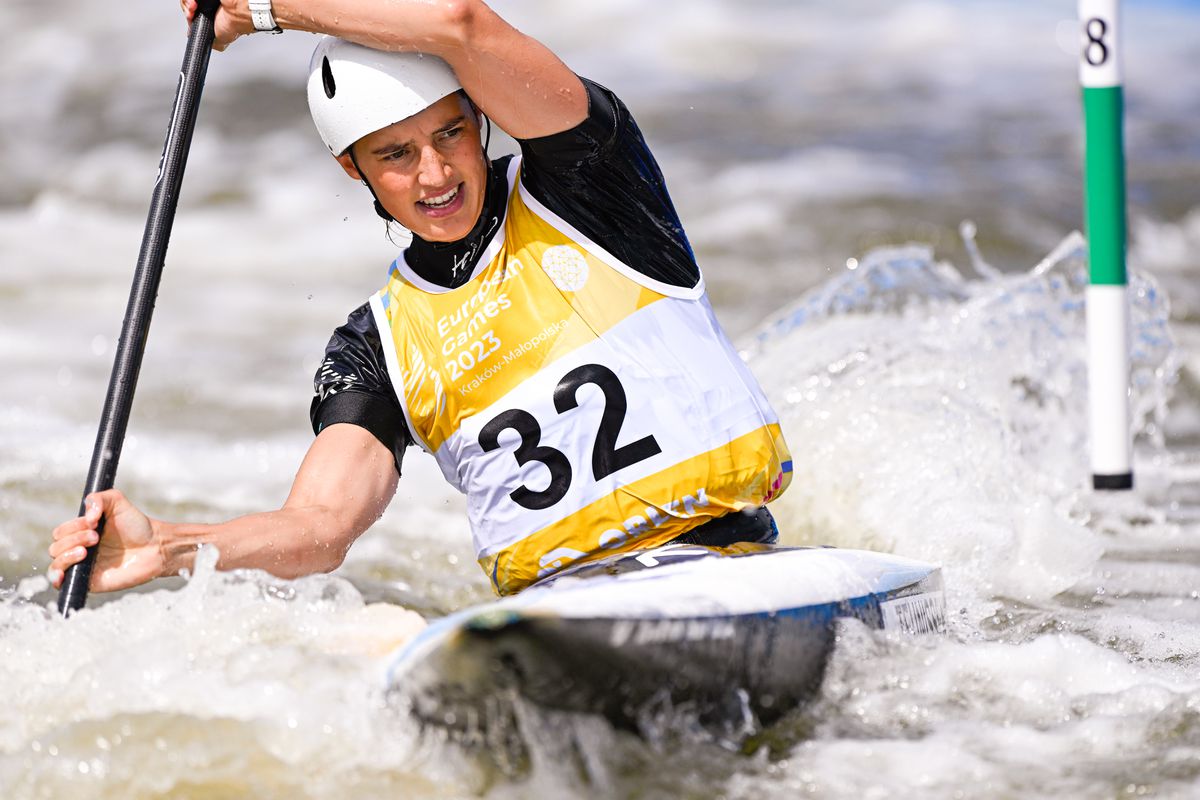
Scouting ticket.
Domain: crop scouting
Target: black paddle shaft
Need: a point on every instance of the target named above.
(136, 325)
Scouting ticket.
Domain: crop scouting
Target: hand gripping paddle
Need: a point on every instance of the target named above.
(134, 329)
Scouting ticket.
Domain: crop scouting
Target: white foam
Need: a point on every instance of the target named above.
(929, 415)
(234, 672)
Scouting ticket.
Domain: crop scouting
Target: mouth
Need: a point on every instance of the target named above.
(444, 204)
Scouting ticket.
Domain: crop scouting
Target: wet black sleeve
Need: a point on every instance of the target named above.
(601, 178)
(352, 385)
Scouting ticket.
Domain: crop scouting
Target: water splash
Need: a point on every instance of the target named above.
(944, 418)
(239, 682)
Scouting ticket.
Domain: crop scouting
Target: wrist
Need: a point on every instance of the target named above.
(262, 16)
(175, 552)
(236, 18)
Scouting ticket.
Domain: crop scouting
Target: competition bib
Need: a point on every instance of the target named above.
(583, 407)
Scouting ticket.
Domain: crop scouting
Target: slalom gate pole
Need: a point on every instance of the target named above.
(132, 346)
(1107, 295)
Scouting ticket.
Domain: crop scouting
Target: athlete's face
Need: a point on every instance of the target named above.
(428, 170)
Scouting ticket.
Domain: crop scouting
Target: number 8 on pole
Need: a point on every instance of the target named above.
(1099, 55)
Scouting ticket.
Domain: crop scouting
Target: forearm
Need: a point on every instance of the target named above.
(436, 27)
(343, 486)
(288, 543)
(513, 78)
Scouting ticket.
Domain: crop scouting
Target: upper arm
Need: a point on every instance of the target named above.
(602, 178)
(348, 476)
(516, 80)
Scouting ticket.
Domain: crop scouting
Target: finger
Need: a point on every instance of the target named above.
(98, 504)
(68, 559)
(69, 527)
(85, 538)
(55, 576)
(92, 509)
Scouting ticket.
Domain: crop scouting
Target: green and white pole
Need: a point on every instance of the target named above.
(1107, 297)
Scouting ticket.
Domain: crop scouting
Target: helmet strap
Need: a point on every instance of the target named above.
(379, 209)
(482, 119)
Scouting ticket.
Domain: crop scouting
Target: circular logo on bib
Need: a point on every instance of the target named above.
(566, 266)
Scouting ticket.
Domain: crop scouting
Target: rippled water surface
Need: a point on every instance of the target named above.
(824, 158)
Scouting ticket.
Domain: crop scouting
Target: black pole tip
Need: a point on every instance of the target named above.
(1113, 482)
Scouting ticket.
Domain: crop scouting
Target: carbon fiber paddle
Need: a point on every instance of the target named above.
(136, 325)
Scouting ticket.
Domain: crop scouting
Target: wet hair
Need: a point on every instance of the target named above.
(480, 118)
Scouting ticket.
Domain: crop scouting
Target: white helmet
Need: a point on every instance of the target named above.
(354, 90)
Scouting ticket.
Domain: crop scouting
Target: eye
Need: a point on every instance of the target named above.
(452, 134)
(397, 155)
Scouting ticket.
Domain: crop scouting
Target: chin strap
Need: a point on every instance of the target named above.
(379, 209)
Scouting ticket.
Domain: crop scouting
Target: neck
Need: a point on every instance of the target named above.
(451, 263)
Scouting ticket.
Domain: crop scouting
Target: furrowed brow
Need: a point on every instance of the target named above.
(454, 123)
(390, 147)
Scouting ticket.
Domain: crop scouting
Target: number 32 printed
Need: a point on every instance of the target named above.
(607, 458)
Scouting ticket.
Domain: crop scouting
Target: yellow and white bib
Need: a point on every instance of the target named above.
(583, 407)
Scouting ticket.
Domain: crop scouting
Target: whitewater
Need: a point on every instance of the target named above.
(886, 201)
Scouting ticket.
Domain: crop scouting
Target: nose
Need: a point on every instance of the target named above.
(432, 169)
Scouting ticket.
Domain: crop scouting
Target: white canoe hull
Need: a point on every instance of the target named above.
(717, 628)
